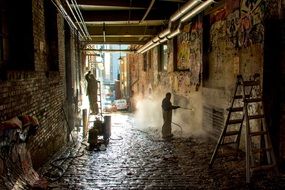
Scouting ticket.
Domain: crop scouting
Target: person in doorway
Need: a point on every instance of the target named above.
(167, 108)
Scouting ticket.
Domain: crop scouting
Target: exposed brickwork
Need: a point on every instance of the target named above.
(40, 93)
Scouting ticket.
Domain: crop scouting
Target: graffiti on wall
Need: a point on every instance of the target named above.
(181, 83)
(231, 6)
(232, 25)
(218, 29)
(272, 8)
(251, 27)
(244, 25)
(189, 52)
(183, 51)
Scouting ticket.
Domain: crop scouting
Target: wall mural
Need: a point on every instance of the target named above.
(272, 8)
(189, 51)
(251, 27)
(244, 24)
(183, 51)
(218, 29)
(232, 25)
(181, 83)
(195, 53)
(234, 28)
(218, 37)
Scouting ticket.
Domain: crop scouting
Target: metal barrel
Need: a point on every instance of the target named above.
(107, 126)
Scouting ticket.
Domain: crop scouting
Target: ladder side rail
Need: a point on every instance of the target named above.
(237, 140)
(221, 138)
(99, 101)
(269, 153)
(263, 132)
(247, 138)
(267, 144)
(249, 160)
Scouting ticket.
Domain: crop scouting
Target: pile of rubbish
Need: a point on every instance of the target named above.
(16, 169)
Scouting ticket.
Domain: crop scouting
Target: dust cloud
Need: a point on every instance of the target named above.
(186, 121)
(148, 111)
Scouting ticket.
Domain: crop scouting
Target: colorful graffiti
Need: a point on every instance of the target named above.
(217, 34)
(244, 26)
(183, 51)
(251, 27)
(232, 27)
(181, 83)
(189, 52)
(231, 6)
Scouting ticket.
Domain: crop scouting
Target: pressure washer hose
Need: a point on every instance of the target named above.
(177, 125)
(186, 108)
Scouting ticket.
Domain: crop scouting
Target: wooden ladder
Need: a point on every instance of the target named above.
(258, 146)
(99, 100)
(257, 139)
(233, 126)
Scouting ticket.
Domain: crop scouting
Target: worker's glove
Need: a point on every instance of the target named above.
(175, 107)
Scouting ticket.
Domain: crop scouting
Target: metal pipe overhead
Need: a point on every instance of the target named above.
(197, 10)
(147, 11)
(191, 6)
(184, 9)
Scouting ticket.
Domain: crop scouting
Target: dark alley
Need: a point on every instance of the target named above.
(139, 159)
(142, 94)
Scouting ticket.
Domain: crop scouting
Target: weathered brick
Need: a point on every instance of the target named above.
(40, 92)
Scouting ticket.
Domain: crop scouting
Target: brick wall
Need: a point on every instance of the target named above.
(40, 92)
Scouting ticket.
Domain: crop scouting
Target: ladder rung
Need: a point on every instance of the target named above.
(261, 150)
(227, 143)
(253, 100)
(258, 133)
(236, 109)
(238, 97)
(235, 121)
(256, 116)
(241, 96)
(231, 133)
(264, 167)
(251, 83)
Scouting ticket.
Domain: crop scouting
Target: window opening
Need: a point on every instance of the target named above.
(145, 62)
(20, 35)
(51, 32)
(149, 59)
(163, 57)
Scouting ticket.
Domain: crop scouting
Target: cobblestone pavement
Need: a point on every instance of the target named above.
(136, 159)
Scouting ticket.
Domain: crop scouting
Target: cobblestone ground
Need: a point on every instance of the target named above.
(139, 159)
